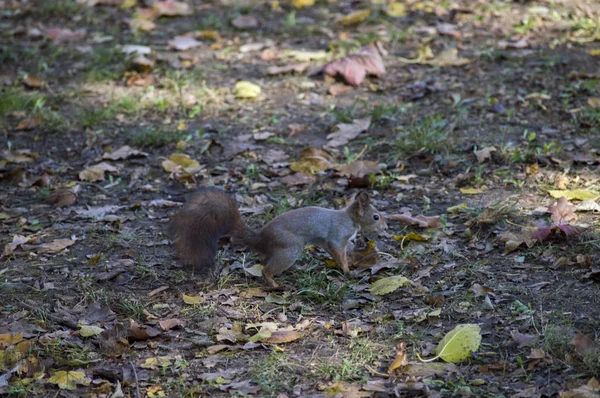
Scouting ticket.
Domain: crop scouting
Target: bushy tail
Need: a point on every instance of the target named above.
(197, 227)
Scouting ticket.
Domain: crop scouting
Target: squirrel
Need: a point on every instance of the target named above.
(210, 214)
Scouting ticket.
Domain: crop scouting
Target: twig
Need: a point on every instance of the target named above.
(137, 383)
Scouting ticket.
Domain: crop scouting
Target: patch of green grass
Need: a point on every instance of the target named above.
(57, 8)
(349, 364)
(360, 109)
(12, 100)
(131, 308)
(557, 342)
(104, 64)
(32, 104)
(314, 285)
(154, 137)
(274, 373)
(430, 135)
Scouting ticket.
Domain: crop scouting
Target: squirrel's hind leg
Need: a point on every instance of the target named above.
(281, 258)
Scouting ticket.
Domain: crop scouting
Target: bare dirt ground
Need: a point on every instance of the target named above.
(481, 139)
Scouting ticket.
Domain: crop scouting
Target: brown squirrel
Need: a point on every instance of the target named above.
(211, 213)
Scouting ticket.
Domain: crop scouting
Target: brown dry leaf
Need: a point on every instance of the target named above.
(590, 390)
(339, 89)
(124, 152)
(33, 82)
(448, 58)
(283, 336)
(296, 128)
(63, 197)
(183, 43)
(513, 240)
(20, 156)
(297, 68)
(55, 246)
(594, 102)
(355, 67)
(7, 339)
(313, 160)
(171, 323)
(208, 35)
(347, 132)
(17, 241)
(584, 345)
(96, 172)
(29, 123)
(230, 335)
(143, 25)
(401, 357)
(138, 80)
(485, 153)
(61, 35)
(421, 221)
(171, 8)
(364, 258)
(562, 212)
(359, 168)
(245, 22)
(298, 179)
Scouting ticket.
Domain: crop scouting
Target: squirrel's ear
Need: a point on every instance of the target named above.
(363, 200)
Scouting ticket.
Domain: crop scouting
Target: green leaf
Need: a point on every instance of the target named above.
(575, 194)
(387, 285)
(458, 344)
(255, 270)
(89, 331)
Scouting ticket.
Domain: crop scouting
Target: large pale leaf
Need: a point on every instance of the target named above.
(387, 285)
(574, 194)
(458, 344)
(68, 380)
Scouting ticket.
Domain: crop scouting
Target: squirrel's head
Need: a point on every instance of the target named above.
(368, 217)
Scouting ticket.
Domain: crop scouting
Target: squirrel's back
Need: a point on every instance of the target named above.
(196, 228)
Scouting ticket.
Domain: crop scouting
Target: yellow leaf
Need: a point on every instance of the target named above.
(245, 89)
(594, 102)
(283, 336)
(88, 330)
(354, 17)
(181, 126)
(209, 35)
(473, 191)
(411, 236)
(155, 391)
(594, 52)
(10, 339)
(448, 58)
(303, 3)
(575, 194)
(387, 285)
(263, 334)
(395, 9)
(456, 209)
(180, 160)
(458, 344)
(128, 4)
(193, 300)
(68, 380)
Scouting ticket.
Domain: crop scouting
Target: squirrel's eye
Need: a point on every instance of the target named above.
(376, 217)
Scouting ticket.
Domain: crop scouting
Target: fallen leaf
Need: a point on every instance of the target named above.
(448, 30)
(17, 241)
(313, 160)
(339, 89)
(63, 35)
(347, 132)
(171, 323)
(590, 390)
(396, 9)
(246, 89)
(296, 128)
(584, 345)
(514, 240)
(448, 58)
(458, 344)
(33, 82)
(575, 194)
(305, 56)
(484, 154)
(283, 336)
(401, 357)
(355, 67)
(55, 246)
(410, 236)
(245, 22)
(29, 123)
(183, 43)
(297, 68)
(20, 156)
(562, 212)
(193, 300)
(89, 330)
(7, 339)
(303, 3)
(359, 168)
(421, 221)
(170, 8)
(125, 152)
(354, 17)
(68, 380)
(473, 191)
(298, 179)
(388, 285)
(180, 162)
(96, 172)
